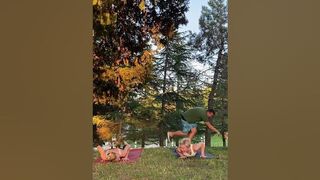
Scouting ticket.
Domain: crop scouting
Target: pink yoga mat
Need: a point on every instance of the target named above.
(134, 155)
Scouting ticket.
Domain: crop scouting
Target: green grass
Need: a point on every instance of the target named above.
(216, 141)
(159, 163)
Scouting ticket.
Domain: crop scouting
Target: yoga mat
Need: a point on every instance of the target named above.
(209, 156)
(134, 155)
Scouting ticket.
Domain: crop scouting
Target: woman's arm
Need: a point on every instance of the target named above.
(180, 154)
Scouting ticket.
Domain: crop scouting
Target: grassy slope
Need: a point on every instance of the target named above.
(159, 163)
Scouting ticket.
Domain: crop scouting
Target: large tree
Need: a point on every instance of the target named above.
(212, 42)
(122, 33)
(175, 80)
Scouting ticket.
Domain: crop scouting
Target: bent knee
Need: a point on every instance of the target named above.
(193, 129)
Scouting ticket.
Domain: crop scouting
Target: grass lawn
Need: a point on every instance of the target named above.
(216, 141)
(159, 163)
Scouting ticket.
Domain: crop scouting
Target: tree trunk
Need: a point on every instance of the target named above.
(215, 79)
(208, 137)
(179, 103)
(143, 139)
(161, 132)
(163, 101)
(223, 140)
(222, 133)
(223, 123)
(213, 88)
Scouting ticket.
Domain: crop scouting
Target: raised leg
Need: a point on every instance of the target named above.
(192, 133)
(125, 152)
(102, 153)
(200, 146)
(177, 133)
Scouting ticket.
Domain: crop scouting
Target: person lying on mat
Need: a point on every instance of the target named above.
(190, 118)
(186, 149)
(115, 154)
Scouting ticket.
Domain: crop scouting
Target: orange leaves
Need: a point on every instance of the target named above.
(146, 57)
(104, 133)
(105, 128)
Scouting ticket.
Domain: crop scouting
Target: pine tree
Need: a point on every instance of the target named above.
(176, 81)
(212, 40)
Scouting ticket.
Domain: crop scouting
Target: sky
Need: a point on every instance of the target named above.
(193, 15)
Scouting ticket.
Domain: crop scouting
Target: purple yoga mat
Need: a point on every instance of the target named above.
(134, 155)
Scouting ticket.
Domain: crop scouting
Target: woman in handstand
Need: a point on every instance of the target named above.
(115, 154)
(186, 149)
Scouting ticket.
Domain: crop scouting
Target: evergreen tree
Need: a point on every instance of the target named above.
(212, 41)
(176, 81)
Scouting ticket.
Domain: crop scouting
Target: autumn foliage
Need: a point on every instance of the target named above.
(105, 128)
(124, 34)
(123, 31)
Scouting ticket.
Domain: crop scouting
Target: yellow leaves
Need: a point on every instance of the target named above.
(108, 19)
(142, 5)
(101, 19)
(97, 119)
(109, 74)
(129, 75)
(97, 2)
(105, 19)
(126, 73)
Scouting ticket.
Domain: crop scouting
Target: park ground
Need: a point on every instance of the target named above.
(159, 163)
